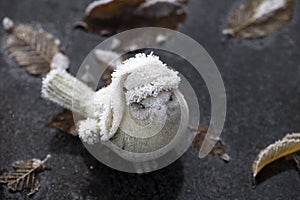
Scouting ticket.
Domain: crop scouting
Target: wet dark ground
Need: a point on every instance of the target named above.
(262, 82)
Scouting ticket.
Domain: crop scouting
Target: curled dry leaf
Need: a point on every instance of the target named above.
(258, 18)
(288, 145)
(64, 122)
(219, 148)
(34, 49)
(25, 175)
(107, 17)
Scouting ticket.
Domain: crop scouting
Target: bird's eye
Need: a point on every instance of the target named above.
(171, 98)
(141, 106)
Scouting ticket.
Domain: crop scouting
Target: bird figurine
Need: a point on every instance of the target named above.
(141, 114)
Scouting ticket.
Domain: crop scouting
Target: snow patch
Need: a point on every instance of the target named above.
(8, 23)
(59, 61)
(267, 8)
(153, 2)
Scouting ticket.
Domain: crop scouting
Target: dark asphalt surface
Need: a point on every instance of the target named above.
(262, 82)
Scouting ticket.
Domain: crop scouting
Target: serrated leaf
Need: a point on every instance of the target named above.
(64, 122)
(288, 145)
(258, 18)
(34, 49)
(110, 17)
(25, 175)
(219, 148)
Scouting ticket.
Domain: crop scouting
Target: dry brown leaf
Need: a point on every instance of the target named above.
(25, 175)
(34, 49)
(219, 148)
(288, 145)
(106, 17)
(117, 15)
(64, 122)
(258, 18)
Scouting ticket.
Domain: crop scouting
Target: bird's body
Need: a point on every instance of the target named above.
(141, 112)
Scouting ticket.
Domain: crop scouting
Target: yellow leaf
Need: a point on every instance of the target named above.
(288, 145)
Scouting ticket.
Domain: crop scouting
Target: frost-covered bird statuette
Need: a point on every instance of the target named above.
(140, 111)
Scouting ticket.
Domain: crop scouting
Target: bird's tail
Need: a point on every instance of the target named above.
(62, 88)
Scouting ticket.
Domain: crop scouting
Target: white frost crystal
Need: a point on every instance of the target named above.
(89, 131)
(133, 81)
